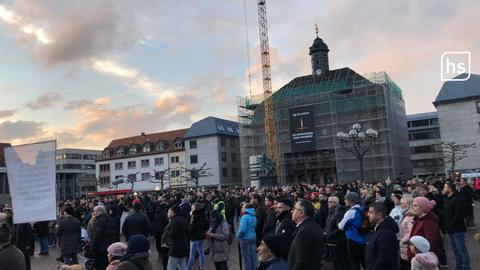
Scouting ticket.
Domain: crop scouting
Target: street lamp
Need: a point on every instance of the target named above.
(358, 142)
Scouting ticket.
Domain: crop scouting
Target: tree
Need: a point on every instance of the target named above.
(161, 177)
(454, 152)
(195, 174)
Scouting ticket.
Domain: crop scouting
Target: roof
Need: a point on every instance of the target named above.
(318, 45)
(422, 116)
(456, 91)
(2, 155)
(212, 126)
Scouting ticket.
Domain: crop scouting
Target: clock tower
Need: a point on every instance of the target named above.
(319, 53)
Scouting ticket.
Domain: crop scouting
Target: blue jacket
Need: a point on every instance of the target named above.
(248, 222)
(351, 222)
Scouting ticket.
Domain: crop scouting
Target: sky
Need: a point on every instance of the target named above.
(87, 72)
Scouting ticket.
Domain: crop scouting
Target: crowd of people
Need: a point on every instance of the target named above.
(387, 225)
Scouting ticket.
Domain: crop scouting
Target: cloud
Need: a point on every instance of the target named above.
(19, 130)
(7, 113)
(44, 101)
(102, 101)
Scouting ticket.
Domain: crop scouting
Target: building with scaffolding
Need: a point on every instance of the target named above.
(336, 99)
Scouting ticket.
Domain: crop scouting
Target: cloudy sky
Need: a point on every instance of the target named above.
(85, 71)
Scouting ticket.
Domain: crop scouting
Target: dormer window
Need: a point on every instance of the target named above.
(106, 153)
(146, 148)
(160, 146)
(133, 150)
(120, 152)
(178, 145)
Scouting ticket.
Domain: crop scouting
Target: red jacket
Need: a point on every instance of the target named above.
(427, 226)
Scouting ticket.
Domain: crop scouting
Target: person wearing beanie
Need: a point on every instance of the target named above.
(136, 256)
(351, 224)
(136, 223)
(396, 212)
(115, 253)
(271, 251)
(424, 259)
(426, 225)
(218, 235)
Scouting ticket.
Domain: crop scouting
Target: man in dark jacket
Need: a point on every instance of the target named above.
(69, 237)
(178, 237)
(137, 254)
(11, 258)
(382, 249)
(23, 241)
(455, 225)
(260, 214)
(307, 248)
(159, 224)
(136, 223)
(104, 234)
(42, 231)
(467, 193)
(271, 219)
(336, 241)
(283, 212)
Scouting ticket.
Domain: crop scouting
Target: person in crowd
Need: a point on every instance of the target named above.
(185, 208)
(218, 235)
(467, 193)
(351, 224)
(423, 259)
(425, 224)
(52, 236)
(307, 248)
(230, 206)
(41, 231)
(397, 212)
(246, 236)
(159, 224)
(271, 220)
(104, 234)
(136, 257)
(178, 235)
(115, 254)
(455, 225)
(382, 250)
(69, 237)
(271, 252)
(23, 241)
(198, 227)
(283, 213)
(11, 258)
(261, 215)
(136, 223)
(335, 238)
(405, 228)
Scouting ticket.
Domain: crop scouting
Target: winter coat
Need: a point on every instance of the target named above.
(136, 223)
(113, 265)
(285, 224)
(261, 215)
(467, 194)
(140, 259)
(273, 264)
(220, 247)
(307, 248)
(104, 234)
(381, 251)
(270, 222)
(69, 235)
(178, 235)
(11, 258)
(351, 222)
(248, 222)
(335, 236)
(41, 229)
(198, 225)
(397, 214)
(24, 235)
(454, 214)
(425, 261)
(427, 226)
(405, 229)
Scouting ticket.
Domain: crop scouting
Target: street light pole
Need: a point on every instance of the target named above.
(355, 142)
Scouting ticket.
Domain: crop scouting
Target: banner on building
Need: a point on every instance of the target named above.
(302, 129)
(31, 177)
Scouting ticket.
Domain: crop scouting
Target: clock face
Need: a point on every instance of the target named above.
(318, 71)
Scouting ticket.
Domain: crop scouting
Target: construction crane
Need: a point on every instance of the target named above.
(270, 127)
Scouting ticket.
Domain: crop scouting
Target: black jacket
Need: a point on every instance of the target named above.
(285, 224)
(382, 249)
(177, 233)
(136, 223)
(198, 225)
(41, 228)
(334, 234)
(454, 214)
(104, 234)
(270, 222)
(69, 235)
(24, 236)
(161, 219)
(307, 247)
(261, 215)
(467, 194)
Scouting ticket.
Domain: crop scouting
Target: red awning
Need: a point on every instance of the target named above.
(109, 192)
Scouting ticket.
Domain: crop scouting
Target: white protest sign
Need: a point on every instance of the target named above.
(31, 176)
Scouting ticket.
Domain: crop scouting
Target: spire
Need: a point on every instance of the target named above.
(316, 29)
(319, 55)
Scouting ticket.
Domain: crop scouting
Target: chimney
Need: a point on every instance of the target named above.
(143, 134)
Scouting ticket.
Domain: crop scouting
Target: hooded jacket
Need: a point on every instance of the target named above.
(246, 230)
(425, 261)
(427, 226)
(382, 250)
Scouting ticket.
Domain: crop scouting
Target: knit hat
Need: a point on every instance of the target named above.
(138, 243)
(420, 243)
(424, 203)
(278, 244)
(352, 197)
(117, 249)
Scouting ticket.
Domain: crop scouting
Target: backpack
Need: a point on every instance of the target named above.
(364, 228)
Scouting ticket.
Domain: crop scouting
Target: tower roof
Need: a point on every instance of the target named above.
(455, 91)
(318, 45)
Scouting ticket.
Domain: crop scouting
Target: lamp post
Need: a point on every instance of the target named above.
(358, 142)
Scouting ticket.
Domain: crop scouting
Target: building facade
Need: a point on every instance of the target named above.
(214, 142)
(425, 144)
(458, 106)
(335, 100)
(4, 189)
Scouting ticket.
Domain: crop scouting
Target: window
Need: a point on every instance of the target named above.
(89, 166)
(118, 177)
(59, 167)
(90, 157)
(146, 148)
(120, 152)
(193, 144)
(159, 175)
(175, 173)
(232, 142)
(174, 159)
(158, 161)
(119, 166)
(234, 172)
(72, 166)
(106, 153)
(478, 106)
(132, 177)
(224, 156)
(178, 145)
(132, 164)
(133, 150)
(193, 159)
(424, 135)
(73, 156)
(420, 123)
(225, 172)
(145, 163)
(145, 176)
(233, 157)
(422, 149)
(222, 141)
(105, 167)
(160, 146)
(103, 181)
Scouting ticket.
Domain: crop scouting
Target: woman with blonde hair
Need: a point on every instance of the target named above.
(406, 224)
